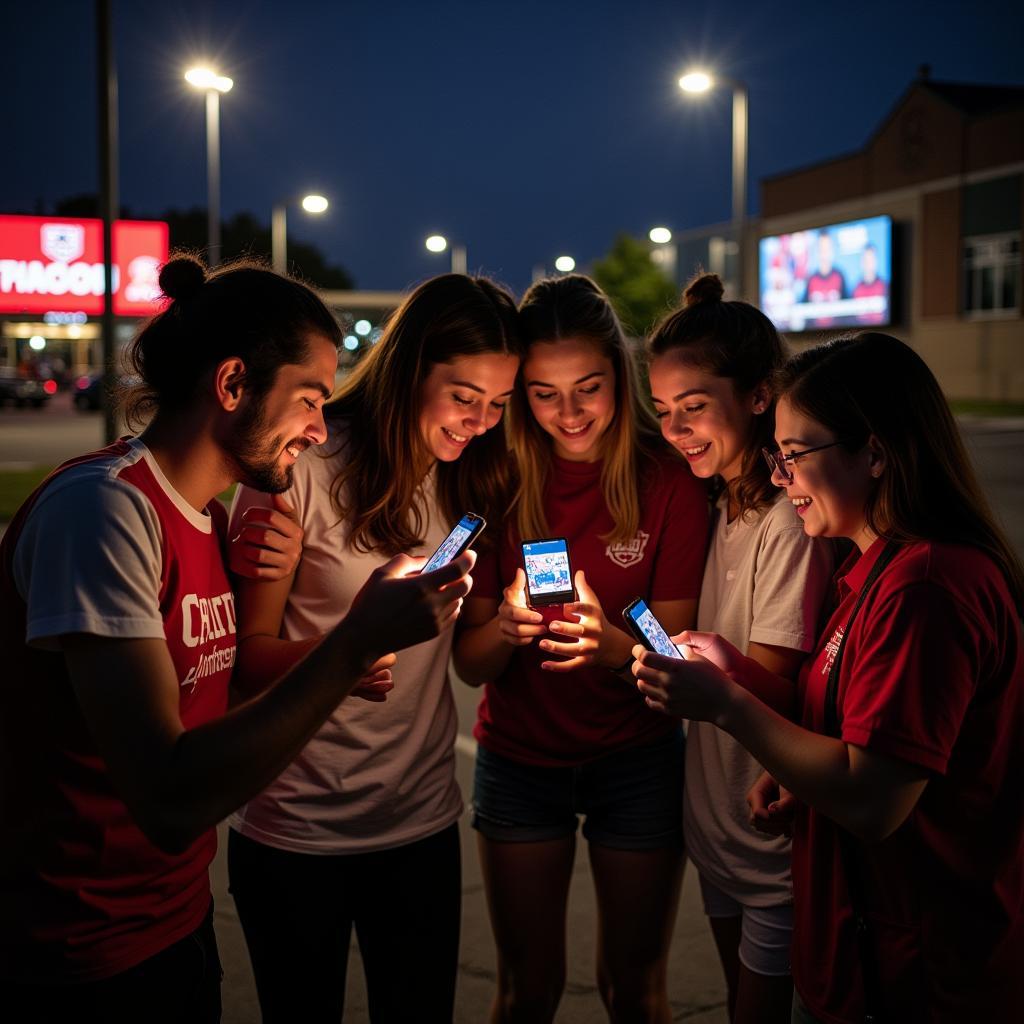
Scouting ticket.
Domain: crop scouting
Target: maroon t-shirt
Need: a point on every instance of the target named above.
(932, 674)
(547, 718)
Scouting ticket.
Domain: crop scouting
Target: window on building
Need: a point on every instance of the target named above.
(992, 275)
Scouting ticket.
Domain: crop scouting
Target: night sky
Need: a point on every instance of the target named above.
(523, 130)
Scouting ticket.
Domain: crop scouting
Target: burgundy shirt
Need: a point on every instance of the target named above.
(932, 674)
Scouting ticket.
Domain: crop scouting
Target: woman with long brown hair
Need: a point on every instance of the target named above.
(764, 583)
(360, 831)
(908, 750)
(561, 731)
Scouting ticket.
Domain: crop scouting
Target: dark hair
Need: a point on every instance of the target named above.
(378, 488)
(241, 309)
(737, 341)
(875, 385)
(573, 306)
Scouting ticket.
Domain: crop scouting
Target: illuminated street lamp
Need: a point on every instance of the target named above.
(213, 85)
(438, 243)
(697, 81)
(565, 264)
(665, 253)
(279, 228)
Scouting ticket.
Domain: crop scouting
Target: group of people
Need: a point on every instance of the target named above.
(848, 707)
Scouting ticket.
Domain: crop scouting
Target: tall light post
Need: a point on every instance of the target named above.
(665, 253)
(213, 85)
(279, 228)
(438, 243)
(700, 82)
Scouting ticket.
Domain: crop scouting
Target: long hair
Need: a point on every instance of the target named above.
(875, 385)
(574, 307)
(378, 489)
(242, 309)
(736, 341)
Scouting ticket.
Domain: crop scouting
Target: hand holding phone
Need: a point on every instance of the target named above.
(648, 630)
(548, 572)
(465, 531)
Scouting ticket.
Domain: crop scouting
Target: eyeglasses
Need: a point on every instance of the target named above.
(777, 461)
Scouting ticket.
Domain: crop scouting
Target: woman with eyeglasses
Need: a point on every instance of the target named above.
(763, 588)
(907, 754)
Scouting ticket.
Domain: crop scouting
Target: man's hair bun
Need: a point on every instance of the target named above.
(182, 276)
(703, 288)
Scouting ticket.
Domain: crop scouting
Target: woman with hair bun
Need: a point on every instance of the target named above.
(561, 730)
(907, 752)
(119, 756)
(360, 832)
(764, 581)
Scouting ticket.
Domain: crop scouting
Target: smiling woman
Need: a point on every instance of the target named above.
(414, 442)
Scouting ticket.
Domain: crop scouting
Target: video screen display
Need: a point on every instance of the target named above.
(547, 567)
(654, 631)
(835, 276)
(451, 547)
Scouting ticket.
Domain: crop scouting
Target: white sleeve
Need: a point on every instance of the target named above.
(790, 584)
(89, 560)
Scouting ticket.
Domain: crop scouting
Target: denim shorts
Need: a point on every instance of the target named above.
(630, 799)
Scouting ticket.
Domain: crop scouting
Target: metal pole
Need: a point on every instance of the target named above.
(279, 238)
(107, 82)
(739, 177)
(213, 176)
(458, 259)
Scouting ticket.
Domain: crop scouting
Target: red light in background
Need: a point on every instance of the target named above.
(82, 383)
(50, 386)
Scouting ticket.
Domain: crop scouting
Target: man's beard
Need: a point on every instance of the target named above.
(257, 456)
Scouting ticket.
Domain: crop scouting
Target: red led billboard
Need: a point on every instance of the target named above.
(55, 264)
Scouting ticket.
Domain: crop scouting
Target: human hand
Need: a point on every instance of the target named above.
(589, 630)
(691, 688)
(377, 683)
(398, 606)
(518, 623)
(772, 807)
(712, 647)
(268, 543)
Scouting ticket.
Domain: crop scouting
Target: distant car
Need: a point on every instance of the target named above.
(23, 391)
(88, 391)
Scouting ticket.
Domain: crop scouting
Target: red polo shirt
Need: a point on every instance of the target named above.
(932, 674)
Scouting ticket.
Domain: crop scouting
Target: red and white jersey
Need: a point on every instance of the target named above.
(105, 547)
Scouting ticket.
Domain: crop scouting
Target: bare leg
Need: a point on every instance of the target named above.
(637, 898)
(527, 892)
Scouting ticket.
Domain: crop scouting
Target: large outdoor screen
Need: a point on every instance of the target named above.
(55, 265)
(836, 276)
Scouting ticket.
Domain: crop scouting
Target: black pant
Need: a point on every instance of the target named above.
(179, 985)
(298, 909)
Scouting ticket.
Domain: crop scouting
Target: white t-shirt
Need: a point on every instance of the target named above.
(764, 582)
(376, 775)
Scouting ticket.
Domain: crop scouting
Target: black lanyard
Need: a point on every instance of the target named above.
(848, 845)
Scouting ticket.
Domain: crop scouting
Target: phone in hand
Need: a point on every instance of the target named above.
(548, 572)
(464, 532)
(648, 630)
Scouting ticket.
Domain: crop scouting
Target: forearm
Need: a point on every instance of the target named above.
(771, 689)
(815, 768)
(263, 659)
(480, 654)
(245, 750)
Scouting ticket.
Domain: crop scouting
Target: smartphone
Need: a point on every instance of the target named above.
(648, 630)
(463, 534)
(548, 573)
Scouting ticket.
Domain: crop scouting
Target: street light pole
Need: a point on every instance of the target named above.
(699, 82)
(213, 85)
(279, 229)
(213, 176)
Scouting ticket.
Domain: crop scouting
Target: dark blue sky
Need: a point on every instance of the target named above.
(523, 129)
